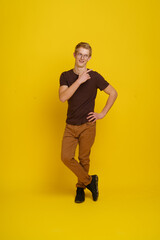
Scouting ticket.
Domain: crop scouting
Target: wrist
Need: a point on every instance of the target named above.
(103, 114)
(79, 81)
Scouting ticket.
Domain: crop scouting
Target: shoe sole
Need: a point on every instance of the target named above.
(78, 201)
(96, 179)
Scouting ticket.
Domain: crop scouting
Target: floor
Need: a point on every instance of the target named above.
(119, 214)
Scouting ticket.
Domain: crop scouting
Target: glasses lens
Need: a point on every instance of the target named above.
(80, 55)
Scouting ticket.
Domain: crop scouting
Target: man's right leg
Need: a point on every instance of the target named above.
(69, 144)
(86, 140)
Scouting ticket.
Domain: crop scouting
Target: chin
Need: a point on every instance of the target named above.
(81, 64)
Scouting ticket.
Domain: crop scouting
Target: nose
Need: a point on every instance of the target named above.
(82, 56)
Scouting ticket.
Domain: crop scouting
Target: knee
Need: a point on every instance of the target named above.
(65, 159)
(85, 165)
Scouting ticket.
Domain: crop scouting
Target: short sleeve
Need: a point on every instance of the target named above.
(101, 82)
(63, 80)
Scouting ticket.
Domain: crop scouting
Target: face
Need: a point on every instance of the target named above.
(81, 57)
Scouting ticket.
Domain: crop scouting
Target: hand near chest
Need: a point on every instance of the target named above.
(84, 77)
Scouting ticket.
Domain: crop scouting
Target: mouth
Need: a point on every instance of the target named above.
(81, 61)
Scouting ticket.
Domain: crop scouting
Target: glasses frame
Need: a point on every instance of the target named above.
(80, 55)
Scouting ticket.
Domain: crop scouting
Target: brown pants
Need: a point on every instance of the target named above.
(83, 135)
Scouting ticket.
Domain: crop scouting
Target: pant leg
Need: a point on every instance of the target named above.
(86, 140)
(69, 144)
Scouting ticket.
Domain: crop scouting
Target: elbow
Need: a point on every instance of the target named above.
(114, 93)
(62, 99)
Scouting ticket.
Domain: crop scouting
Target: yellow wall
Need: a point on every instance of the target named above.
(38, 40)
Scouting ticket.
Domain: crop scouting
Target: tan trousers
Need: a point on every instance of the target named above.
(84, 135)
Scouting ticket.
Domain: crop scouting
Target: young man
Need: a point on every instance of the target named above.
(79, 87)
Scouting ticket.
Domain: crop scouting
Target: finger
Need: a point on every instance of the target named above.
(88, 70)
(91, 119)
(90, 113)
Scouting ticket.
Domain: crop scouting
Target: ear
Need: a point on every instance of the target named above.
(89, 58)
(74, 54)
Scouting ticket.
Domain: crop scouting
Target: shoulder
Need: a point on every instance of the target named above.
(100, 80)
(67, 72)
(96, 75)
(67, 77)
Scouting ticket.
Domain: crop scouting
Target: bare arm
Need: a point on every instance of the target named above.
(92, 116)
(66, 92)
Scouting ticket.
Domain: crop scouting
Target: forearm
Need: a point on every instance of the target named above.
(110, 101)
(67, 94)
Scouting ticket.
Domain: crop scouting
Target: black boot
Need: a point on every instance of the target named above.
(80, 196)
(93, 187)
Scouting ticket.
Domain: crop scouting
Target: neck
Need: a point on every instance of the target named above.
(79, 70)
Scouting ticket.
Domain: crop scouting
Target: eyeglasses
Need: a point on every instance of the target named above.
(81, 55)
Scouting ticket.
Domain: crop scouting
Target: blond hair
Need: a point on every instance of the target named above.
(84, 45)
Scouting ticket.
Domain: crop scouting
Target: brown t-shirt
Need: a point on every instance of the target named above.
(83, 100)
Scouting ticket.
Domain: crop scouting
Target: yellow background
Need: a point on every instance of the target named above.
(37, 191)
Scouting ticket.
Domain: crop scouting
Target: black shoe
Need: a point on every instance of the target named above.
(93, 187)
(80, 196)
